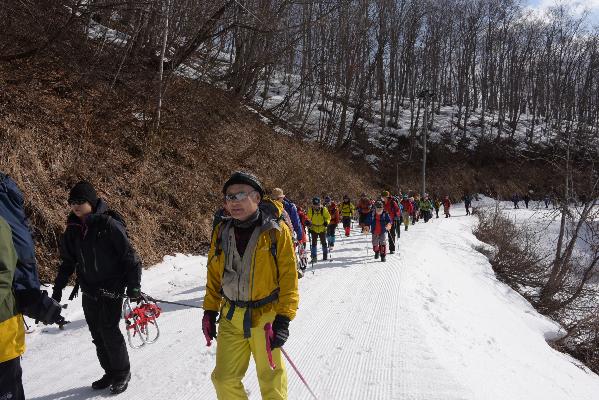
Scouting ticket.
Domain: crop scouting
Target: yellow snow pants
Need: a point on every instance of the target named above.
(233, 357)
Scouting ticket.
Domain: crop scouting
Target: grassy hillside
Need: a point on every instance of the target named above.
(57, 126)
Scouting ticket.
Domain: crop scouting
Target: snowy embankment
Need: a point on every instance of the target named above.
(430, 323)
(544, 223)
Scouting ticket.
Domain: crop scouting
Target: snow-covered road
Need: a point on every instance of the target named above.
(430, 323)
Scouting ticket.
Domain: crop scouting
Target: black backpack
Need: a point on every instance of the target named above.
(31, 301)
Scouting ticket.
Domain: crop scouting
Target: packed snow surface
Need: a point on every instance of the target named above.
(432, 323)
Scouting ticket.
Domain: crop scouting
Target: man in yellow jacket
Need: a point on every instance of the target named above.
(12, 333)
(252, 281)
(348, 210)
(318, 220)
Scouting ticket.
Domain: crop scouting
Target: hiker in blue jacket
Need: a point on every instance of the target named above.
(277, 194)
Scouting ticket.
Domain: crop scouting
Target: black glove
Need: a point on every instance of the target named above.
(27, 299)
(134, 293)
(308, 223)
(209, 326)
(326, 224)
(57, 294)
(280, 328)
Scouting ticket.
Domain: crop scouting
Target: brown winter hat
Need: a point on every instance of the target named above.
(277, 193)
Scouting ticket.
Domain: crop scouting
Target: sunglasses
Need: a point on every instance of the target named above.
(77, 202)
(238, 196)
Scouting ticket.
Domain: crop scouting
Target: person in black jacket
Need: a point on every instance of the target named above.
(95, 246)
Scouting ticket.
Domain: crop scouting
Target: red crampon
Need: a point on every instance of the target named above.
(139, 319)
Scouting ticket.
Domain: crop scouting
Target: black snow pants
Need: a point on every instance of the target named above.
(397, 227)
(103, 315)
(11, 383)
(392, 236)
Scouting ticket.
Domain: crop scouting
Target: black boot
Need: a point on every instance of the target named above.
(376, 255)
(102, 383)
(119, 385)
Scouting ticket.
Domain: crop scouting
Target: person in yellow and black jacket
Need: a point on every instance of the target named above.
(252, 281)
(318, 220)
(348, 210)
(12, 333)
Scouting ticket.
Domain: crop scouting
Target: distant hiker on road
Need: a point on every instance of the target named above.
(425, 208)
(335, 219)
(547, 199)
(467, 203)
(379, 224)
(364, 208)
(95, 246)
(291, 209)
(446, 206)
(406, 203)
(347, 213)
(251, 280)
(515, 200)
(415, 210)
(437, 206)
(526, 199)
(303, 218)
(318, 221)
(392, 209)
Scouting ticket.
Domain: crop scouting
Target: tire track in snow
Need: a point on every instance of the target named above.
(356, 336)
(370, 346)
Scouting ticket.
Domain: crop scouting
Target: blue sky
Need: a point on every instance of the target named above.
(577, 6)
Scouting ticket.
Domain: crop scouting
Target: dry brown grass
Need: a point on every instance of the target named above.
(55, 130)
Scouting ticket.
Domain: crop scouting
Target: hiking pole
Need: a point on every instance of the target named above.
(269, 336)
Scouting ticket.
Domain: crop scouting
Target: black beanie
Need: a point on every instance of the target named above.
(84, 191)
(244, 178)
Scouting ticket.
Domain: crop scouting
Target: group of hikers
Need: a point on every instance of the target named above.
(517, 198)
(253, 267)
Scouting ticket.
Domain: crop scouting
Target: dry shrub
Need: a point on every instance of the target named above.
(166, 185)
(516, 258)
(518, 261)
(582, 336)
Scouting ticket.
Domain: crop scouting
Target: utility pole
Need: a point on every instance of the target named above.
(426, 95)
(161, 67)
(397, 178)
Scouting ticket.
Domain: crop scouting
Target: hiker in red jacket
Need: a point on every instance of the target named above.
(364, 208)
(446, 206)
(407, 210)
(303, 218)
(394, 212)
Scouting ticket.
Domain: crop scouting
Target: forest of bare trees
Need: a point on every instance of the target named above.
(343, 70)
(346, 59)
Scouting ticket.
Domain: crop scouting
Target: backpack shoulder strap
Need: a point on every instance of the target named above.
(220, 231)
(273, 249)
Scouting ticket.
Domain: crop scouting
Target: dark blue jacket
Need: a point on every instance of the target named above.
(371, 220)
(295, 219)
(12, 210)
